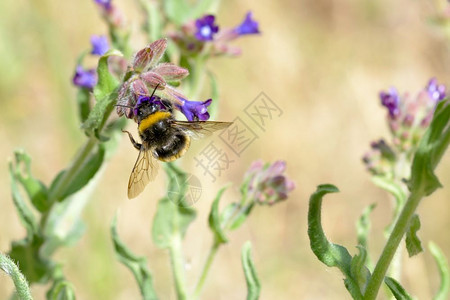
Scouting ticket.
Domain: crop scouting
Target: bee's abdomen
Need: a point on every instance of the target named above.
(176, 146)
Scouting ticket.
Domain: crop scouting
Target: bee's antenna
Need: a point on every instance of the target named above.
(156, 87)
(123, 105)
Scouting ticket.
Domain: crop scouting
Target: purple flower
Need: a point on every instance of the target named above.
(266, 183)
(195, 110)
(435, 90)
(248, 26)
(206, 28)
(99, 44)
(391, 101)
(106, 4)
(85, 78)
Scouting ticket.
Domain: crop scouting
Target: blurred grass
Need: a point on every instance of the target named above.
(323, 62)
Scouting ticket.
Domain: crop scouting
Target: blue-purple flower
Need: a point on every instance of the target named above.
(391, 101)
(85, 78)
(206, 28)
(248, 26)
(99, 44)
(106, 4)
(435, 90)
(195, 110)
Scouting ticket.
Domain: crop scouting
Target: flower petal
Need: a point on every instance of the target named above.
(153, 80)
(85, 78)
(248, 26)
(171, 72)
(99, 44)
(158, 47)
(142, 59)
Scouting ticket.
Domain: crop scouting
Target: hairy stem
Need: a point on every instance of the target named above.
(176, 258)
(392, 244)
(20, 282)
(206, 267)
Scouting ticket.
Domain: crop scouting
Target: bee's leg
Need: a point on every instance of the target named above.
(135, 144)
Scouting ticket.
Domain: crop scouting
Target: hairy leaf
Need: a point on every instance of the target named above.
(413, 244)
(172, 214)
(214, 219)
(444, 272)
(397, 290)
(36, 190)
(330, 254)
(253, 285)
(136, 264)
(25, 214)
(105, 93)
(61, 290)
(86, 172)
(431, 148)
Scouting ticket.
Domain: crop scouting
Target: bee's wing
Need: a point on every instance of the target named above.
(200, 129)
(144, 171)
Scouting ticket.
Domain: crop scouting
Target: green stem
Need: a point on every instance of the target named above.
(20, 282)
(176, 258)
(206, 267)
(392, 244)
(73, 169)
(153, 24)
(197, 75)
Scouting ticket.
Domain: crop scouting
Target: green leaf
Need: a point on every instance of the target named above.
(33, 266)
(86, 172)
(413, 244)
(173, 216)
(431, 148)
(214, 219)
(444, 271)
(105, 93)
(83, 102)
(363, 226)
(359, 270)
(61, 290)
(397, 290)
(241, 216)
(25, 214)
(20, 282)
(36, 190)
(330, 254)
(136, 264)
(253, 285)
(392, 188)
(177, 11)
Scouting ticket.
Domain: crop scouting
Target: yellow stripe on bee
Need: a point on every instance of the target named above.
(152, 119)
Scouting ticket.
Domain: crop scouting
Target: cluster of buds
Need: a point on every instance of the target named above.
(87, 78)
(197, 33)
(147, 75)
(408, 118)
(266, 183)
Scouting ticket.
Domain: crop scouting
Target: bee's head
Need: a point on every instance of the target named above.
(146, 106)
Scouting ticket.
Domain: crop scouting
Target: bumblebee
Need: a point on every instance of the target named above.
(163, 138)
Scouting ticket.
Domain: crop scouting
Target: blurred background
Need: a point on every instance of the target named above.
(322, 62)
